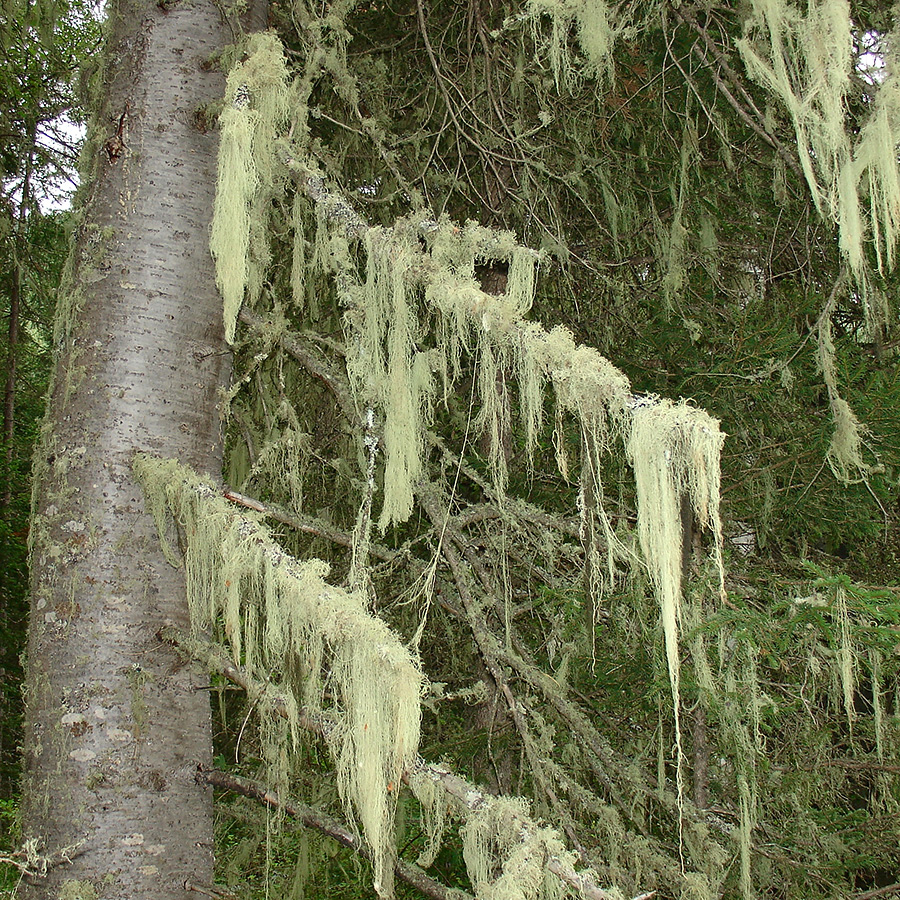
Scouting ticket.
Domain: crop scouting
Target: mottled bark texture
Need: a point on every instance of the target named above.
(117, 723)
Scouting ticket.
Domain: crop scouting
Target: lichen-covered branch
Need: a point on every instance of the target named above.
(467, 799)
(325, 824)
(281, 616)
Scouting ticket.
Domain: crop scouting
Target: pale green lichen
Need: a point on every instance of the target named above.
(805, 58)
(236, 184)
(256, 107)
(77, 890)
(507, 860)
(280, 615)
(675, 450)
(846, 655)
(592, 22)
(387, 370)
(844, 454)
(433, 802)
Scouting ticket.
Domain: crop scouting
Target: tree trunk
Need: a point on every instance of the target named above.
(117, 723)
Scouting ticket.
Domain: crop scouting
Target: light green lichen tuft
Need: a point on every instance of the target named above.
(675, 450)
(844, 454)
(805, 58)
(433, 802)
(592, 22)
(256, 107)
(284, 621)
(507, 861)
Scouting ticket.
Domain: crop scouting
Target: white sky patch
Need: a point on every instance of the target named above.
(871, 65)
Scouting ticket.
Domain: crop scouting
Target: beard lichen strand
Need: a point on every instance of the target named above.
(256, 108)
(844, 454)
(433, 802)
(846, 656)
(298, 254)
(230, 234)
(875, 160)
(674, 449)
(386, 369)
(280, 615)
(806, 60)
(506, 861)
(874, 658)
(593, 25)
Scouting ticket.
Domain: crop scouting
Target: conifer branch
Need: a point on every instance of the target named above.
(753, 118)
(467, 796)
(327, 825)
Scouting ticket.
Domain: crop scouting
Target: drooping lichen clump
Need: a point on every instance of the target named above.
(282, 619)
(675, 450)
(388, 371)
(804, 56)
(256, 107)
(506, 860)
(592, 22)
(420, 321)
(845, 449)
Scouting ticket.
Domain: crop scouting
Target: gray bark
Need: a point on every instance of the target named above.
(116, 723)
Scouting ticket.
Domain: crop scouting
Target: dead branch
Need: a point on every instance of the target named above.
(754, 120)
(307, 524)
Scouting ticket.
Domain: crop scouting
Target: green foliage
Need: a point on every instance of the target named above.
(42, 45)
(30, 263)
(9, 833)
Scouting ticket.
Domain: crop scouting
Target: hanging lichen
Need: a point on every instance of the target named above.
(674, 449)
(674, 238)
(280, 463)
(877, 708)
(806, 60)
(844, 454)
(593, 26)
(846, 655)
(280, 616)
(875, 162)
(585, 383)
(298, 257)
(433, 802)
(236, 184)
(732, 698)
(387, 370)
(506, 861)
(256, 106)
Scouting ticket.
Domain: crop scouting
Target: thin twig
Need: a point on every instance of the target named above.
(752, 122)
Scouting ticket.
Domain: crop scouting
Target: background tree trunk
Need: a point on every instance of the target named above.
(116, 723)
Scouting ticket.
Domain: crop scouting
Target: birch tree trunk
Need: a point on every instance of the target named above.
(116, 723)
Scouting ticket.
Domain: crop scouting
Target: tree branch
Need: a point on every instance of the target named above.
(755, 122)
(468, 797)
(319, 821)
